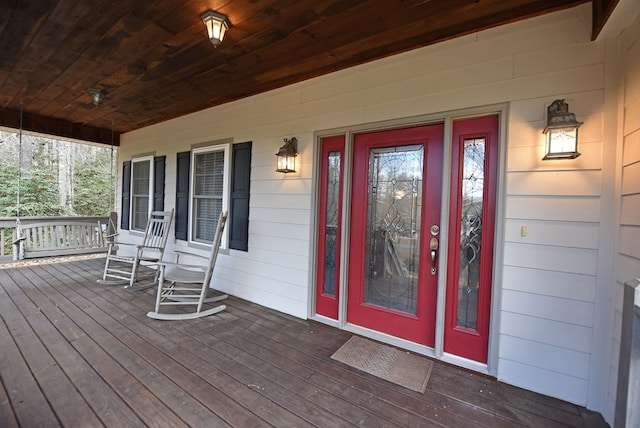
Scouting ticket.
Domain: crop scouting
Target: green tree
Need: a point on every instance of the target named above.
(8, 190)
(53, 178)
(93, 185)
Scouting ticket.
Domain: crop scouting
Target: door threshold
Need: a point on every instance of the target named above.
(465, 363)
(391, 340)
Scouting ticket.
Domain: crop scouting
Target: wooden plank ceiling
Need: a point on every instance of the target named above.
(154, 61)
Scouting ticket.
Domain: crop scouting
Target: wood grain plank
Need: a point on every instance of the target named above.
(111, 409)
(123, 349)
(29, 403)
(271, 368)
(245, 375)
(141, 341)
(471, 378)
(265, 359)
(406, 404)
(271, 375)
(7, 416)
(115, 363)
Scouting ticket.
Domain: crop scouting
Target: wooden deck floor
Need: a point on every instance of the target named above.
(75, 353)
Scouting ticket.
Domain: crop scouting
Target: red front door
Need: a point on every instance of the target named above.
(395, 220)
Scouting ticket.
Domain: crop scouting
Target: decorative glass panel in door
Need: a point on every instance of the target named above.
(329, 227)
(394, 205)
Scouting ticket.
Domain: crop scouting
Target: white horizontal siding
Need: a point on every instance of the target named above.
(629, 239)
(564, 285)
(561, 259)
(627, 259)
(628, 267)
(271, 292)
(552, 308)
(631, 114)
(279, 245)
(631, 179)
(279, 230)
(545, 207)
(550, 274)
(536, 379)
(564, 183)
(631, 151)
(630, 210)
(274, 214)
(283, 200)
(549, 232)
(540, 355)
(553, 333)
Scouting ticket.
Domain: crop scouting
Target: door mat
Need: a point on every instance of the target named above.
(391, 364)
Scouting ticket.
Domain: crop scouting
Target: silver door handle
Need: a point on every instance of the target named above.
(433, 244)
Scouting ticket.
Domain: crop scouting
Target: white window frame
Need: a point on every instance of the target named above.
(226, 149)
(132, 216)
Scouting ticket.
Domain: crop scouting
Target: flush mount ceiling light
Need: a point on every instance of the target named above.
(97, 96)
(562, 132)
(217, 25)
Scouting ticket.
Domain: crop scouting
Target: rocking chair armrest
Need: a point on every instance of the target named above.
(164, 264)
(122, 243)
(185, 253)
(140, 246)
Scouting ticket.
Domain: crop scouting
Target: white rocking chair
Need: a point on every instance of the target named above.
(120, 268)
(193, 280)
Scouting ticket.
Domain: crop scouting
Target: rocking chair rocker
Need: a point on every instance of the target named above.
(122, 268)
(194, 283)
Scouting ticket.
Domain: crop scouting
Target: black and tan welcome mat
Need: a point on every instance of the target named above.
(391, 364)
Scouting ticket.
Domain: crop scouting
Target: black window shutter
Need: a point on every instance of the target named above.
(239, 210)
(182, 195)
(158, 182)
(126, 194)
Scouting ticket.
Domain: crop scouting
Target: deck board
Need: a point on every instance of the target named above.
(77, 353)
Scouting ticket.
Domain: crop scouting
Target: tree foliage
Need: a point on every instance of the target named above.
(46, 177)
(93, 185)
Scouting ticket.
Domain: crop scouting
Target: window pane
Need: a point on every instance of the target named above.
(471, 232)
(209, 174)
(141, 173)
(208, 186)
(206, 213)
(140, 212)
(140, 183)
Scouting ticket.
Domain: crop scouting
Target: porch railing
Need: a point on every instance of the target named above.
(30, 237)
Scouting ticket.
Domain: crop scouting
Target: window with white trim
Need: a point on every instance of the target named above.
(209, 190)
(141, 191)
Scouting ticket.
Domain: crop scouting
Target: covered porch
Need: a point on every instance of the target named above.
(77, 353)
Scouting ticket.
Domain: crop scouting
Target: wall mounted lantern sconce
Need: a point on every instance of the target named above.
(287, 156)
(217, 25)
(562, 132)
(97, 96)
